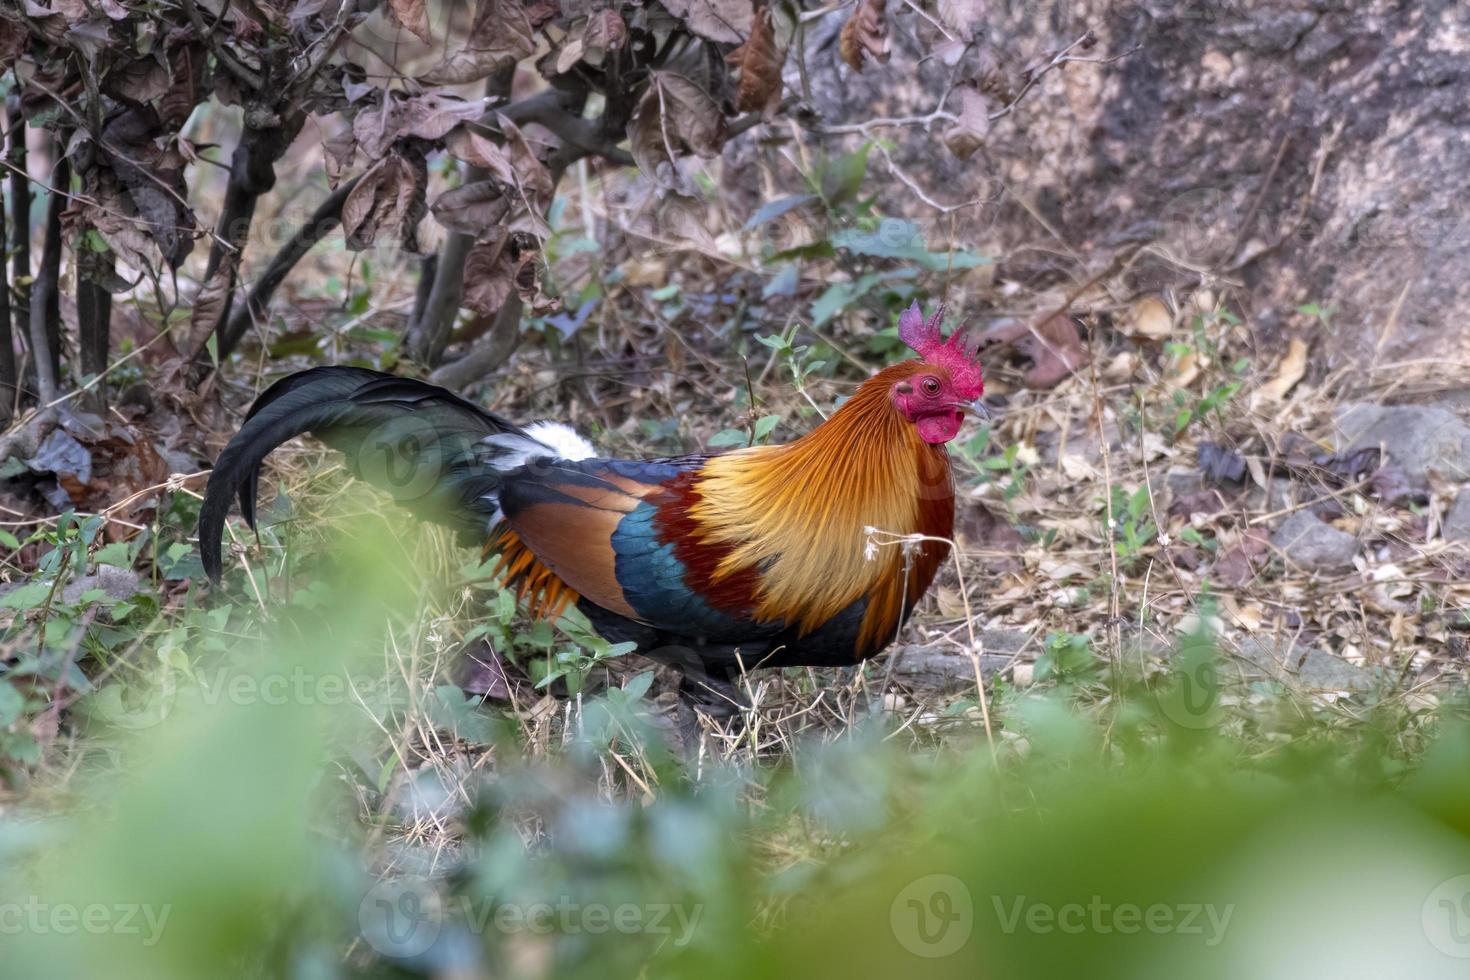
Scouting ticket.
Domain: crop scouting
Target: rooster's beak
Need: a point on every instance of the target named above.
(980, 409)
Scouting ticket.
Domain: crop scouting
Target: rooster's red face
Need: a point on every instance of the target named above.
(944, 385)
(929, 400)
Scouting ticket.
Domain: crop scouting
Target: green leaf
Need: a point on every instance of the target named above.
(12, 703)
(898, 239)
(784, 283)
(764, 425)
(639, 685)
(772, 210)
(727, 437)
(118, 554)
(28, 596)
(23, 748)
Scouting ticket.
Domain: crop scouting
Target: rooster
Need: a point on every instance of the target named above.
(761, 556)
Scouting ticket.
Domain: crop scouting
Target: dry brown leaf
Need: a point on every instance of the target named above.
(414, 16)
(465, 144)
(210, 304)
(338, 152)
(13, 41)
(760, 67)
(1293, 368)
(478, 209)
(1149, 317)
(139, 80)
(726, 21)
(429, 117)
(675, 114)
(1054, 347)
(502, 31)
(126, 236)
(569, 55)
(967, 134)
(605, 32)
(528, 172)
(488, 275)
(385, 205)
(1183, 368)
(965, 17)
(494, 270)
(865, 34)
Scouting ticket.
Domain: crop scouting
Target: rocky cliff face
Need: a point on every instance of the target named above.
(1311, 151)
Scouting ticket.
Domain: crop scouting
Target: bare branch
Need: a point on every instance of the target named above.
(45, 291)
(327, 216)
(222, 54)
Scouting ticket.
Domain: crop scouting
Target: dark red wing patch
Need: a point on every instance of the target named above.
(674, 524)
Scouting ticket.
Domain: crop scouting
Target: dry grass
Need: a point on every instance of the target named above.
(1392, 614)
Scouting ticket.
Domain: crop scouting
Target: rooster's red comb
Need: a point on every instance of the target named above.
(924, 338)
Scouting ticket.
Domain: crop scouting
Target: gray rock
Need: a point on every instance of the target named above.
(1457, 521)
(1183, 481)
(1314, 545)
(1279, 494)
(1308, 667)
(119, 583)
(1423, 439)
(941, 669)
(64, 456)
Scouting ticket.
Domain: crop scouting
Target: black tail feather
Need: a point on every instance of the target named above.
(415, 440)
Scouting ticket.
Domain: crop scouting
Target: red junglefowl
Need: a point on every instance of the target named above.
(762, 553)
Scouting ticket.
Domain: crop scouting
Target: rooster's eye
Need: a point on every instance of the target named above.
(931, 387)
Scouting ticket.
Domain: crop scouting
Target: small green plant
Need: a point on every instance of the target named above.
(1067, 657)
(567, 651)
(1133, 527)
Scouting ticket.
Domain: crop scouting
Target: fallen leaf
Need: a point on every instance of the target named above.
(1391, 484)
(1293, 368)
(1220, 464)
(1239, 565)
(1149, 317)
(1183, 369)
(1054, 347)
(1207, 502)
